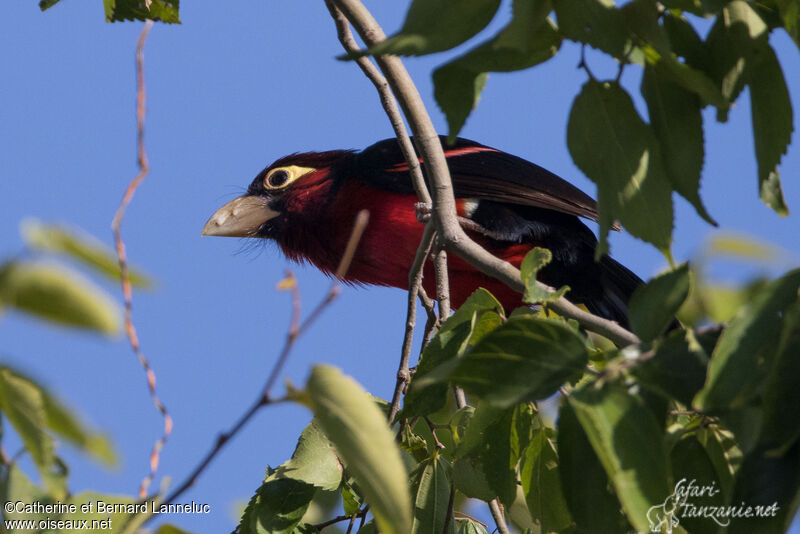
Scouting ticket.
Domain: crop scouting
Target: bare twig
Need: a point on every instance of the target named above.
(497, 514)
(116, 224)
(338, 519)
(414, 285)
(387, 101)
(295, 331)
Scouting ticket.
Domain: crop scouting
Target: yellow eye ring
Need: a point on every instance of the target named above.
(281, 177)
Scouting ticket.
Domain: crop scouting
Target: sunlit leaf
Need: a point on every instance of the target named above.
(437, 25)
(731, 42)
(430, 488)
(735, 371)
(23, 405)
(678, 125)
(534, 261)
(452, 338)
(79, 246)
(363, 440)
(158, 10)
(277, 507)
(619, 152)
(541, 483)
(594, 22)
(59, 295)
(529, 39)
(464, 525)
(314, 461)
(771, 109)
(526, 358)
(628, 441)
(485, 456)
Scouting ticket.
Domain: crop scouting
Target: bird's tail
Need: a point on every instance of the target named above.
(618, 285)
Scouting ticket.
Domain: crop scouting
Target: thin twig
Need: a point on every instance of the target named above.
(414, 285)
(294, 333)
(432, 428)
(127, 292)
(387, 101)
(497, 514)
(339, 518)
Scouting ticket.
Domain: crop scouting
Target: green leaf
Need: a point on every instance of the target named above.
(771, 109)
(158, 10)
(619, 152)
(685, 41)
(314, 460)
(277, 507)
(735, 371)
(358, 429)
(15, 486)
(62, 422)
(653, 306)
(22, 403)
(737, 32)
(541, 483)
(594, 22)
(721, 447)
(678, 125)
(79, 246)
(351, 500)
(413, 443)
(485, 456)
(529, 39)
(437, 25)
(430, 488)
(452, 338)
(781, 425)
(771, 483)
(58, 295)
(629, 443)
(465, 525)
(690, 463)
(534, 261)
(583, 480)
(790, 13)
(677, 369)
(527, 358)
(44, 5)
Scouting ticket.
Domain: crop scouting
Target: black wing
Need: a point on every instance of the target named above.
(480, 172)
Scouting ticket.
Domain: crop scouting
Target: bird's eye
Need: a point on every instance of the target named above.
(281, 177)
(278, 179)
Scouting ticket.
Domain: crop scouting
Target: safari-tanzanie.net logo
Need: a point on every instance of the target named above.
(690, 500)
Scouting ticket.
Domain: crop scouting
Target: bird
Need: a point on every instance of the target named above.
(307, 203)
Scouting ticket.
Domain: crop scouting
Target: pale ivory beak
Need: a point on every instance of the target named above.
(241, 217)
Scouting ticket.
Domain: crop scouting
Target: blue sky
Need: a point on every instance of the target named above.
(229, 91)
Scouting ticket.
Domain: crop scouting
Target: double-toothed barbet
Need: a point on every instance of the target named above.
(308, 202)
